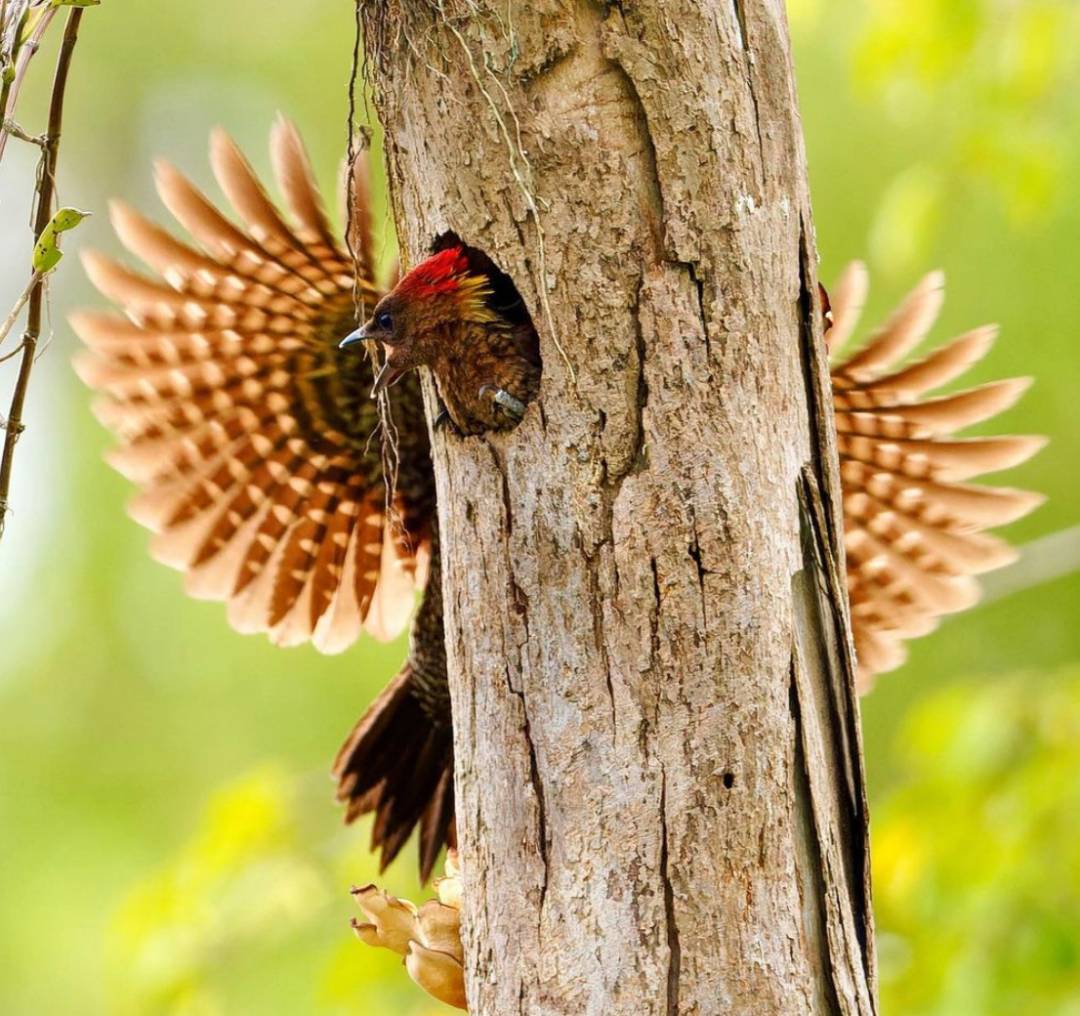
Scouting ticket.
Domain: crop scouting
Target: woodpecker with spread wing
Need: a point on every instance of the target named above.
(247, 422)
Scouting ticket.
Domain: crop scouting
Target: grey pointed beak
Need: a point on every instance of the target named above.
(353, 338)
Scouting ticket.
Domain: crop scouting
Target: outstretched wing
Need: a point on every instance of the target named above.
(252, 437)
(913, 528)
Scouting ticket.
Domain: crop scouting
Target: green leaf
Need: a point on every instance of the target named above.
(47, 252)
(75, 3)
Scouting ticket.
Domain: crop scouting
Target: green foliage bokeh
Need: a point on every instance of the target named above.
(167, 838)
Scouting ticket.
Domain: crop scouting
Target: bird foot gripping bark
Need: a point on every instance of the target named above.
(443, 422)
(512, 407)
(505, 403)
(428, 936)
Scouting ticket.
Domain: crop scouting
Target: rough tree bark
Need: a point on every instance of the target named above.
(659, 775)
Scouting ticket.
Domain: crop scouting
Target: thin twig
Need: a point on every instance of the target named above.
(45, 187)
(1041, 561)
(10, 93)
(352, 154)
(9, 126)
(9, 321)
(7, 55)
(3, 32)
(524, 185)
(387, 428)
(3, 359)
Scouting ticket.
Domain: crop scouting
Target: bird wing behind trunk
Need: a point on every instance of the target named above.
(252, 437)
(913, 529)
(265, 479)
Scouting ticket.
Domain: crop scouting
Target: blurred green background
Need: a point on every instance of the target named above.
(167, 838)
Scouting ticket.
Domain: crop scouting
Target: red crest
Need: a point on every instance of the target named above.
(440, 273)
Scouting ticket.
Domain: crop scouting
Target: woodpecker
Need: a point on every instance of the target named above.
(457, 313)
(243, 410)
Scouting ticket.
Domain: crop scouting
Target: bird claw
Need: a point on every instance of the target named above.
(513, 407)
(442, 422)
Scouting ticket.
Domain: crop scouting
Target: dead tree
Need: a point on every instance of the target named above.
(659, 776)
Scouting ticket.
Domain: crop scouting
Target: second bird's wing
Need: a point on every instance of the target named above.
(252, 438)
(913, 528)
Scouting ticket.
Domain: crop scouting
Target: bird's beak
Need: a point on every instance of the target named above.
(353, 338)
(388, 375)
(386, 378)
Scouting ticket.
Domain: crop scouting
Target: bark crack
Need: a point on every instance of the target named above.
(695, 552)
(517, 595)
(538, 788)
(593, 562)
(828, 737)
(816, 911)
(814, 383)
(699, 286)
(521, 607)
(654, 616)
(748, 66)
(740, 22)
(674, 947)
(642, 381)
(843, 720)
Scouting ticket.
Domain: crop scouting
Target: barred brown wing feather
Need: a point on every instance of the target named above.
(913, 529)
(251, 435)
(847, 299)
(904, 330)
(297, 181)
(944, 364)
(948, 460)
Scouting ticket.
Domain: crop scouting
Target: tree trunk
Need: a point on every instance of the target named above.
(660, 795)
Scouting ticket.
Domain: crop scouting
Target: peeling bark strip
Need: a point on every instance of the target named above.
(661, 806)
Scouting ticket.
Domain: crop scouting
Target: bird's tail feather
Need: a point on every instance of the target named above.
(399, 763)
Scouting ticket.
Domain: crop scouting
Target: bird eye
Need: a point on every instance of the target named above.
(385, 321)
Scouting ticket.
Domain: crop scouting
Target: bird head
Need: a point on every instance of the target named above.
(417, 320)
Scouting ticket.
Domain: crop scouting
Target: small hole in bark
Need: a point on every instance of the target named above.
(509, 369)
(729, 780)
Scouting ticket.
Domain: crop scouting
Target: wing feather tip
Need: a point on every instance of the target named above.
(152, 507)
(934, 279)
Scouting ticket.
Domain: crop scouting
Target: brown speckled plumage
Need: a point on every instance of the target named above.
(254, 443)
(500, 361)
(460, 315)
